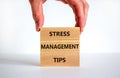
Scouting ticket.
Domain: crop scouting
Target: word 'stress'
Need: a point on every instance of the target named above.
(59, 46)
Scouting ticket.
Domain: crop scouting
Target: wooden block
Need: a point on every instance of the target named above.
(60, 59)
(59, 46)
(61, 33)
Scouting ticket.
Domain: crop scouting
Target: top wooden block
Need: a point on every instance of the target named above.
(59, 33)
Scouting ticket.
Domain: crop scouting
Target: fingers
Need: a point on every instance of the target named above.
(39, 18)
(80, 9)
(37, 11)
(80, 18)
(79, 15)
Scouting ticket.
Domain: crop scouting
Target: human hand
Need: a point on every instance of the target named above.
(80, 9)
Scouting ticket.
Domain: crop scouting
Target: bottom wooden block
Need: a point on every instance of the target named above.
(59, 59)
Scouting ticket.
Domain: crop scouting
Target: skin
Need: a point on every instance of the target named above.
(79, 7)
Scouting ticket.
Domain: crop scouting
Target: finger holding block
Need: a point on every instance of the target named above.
(60, 46)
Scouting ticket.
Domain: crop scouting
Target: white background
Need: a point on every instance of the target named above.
(19, 42)
(17, 28)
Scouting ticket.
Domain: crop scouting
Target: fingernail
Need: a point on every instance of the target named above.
(37, 29)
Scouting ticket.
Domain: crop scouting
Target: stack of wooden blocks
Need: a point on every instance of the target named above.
(60, 46)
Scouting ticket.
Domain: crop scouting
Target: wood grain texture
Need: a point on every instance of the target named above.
(74, 33)
(60, 46)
